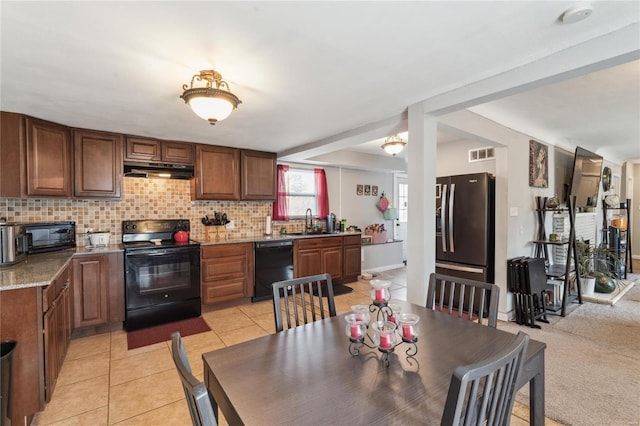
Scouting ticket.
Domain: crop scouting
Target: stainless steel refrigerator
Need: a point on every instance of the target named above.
(465, 238)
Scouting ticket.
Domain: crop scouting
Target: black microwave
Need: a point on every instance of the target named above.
(43, 237)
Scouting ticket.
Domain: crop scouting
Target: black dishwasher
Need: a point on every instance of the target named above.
(273, 262)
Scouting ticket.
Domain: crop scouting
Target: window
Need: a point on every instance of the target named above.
(299, 190)
(302, 192)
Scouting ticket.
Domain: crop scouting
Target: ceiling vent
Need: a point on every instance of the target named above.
(482, 154)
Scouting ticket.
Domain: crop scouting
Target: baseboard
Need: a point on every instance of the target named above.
(385, 268)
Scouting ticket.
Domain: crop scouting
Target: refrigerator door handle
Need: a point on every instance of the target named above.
(452, 198)
(443, 212)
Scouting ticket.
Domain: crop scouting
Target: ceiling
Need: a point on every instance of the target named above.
(324, 77)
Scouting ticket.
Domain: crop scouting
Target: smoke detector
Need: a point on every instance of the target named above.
(576, 14)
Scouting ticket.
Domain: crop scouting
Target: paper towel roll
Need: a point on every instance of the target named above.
(267, 226)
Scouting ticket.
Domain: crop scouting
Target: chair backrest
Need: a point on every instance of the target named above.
(303, 300)
(198, 398)
(483, 393)
(469, 299)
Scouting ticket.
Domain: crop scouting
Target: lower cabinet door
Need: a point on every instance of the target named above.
(90, 288)
(51, 337)
(309, 262)
(332, 261)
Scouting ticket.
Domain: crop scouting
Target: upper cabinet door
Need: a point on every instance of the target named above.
(217, 173)
(154, 150)
(13, 167)
(258, 175)
(177, 152)
(142, 149)
(48, 159)
(98, 164)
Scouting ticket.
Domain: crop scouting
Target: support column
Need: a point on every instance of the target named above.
(421, 231)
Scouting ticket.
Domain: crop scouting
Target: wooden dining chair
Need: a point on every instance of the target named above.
(464, 298)
(198, 398)
(483, 393)
(303, 300)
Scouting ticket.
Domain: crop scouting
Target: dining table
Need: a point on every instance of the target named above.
(307, 375)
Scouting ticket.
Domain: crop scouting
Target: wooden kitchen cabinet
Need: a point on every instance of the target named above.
(97, 164)
(13, 167)
(258, 171)
(352, 257)
(48, 155)
(227, 272)
(21, 320)
(155, 150)
(217, 173)
(57, 327)
(39, 320)
(98, 283)
(318, 255)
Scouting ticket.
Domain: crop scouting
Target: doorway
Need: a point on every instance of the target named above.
(401, 200)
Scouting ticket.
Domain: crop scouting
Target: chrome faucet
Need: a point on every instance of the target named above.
(308, 221)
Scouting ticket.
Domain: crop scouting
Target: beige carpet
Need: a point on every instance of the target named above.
(592, 362)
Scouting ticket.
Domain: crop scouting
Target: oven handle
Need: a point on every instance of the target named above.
(161, 252)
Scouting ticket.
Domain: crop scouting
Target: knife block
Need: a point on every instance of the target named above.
(216, 233)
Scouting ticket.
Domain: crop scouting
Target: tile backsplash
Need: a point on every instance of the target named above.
(143, 199)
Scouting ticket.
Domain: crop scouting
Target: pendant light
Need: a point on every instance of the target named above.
(208, 102)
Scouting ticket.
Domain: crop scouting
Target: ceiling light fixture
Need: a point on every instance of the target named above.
(393, 145)
(210, 103)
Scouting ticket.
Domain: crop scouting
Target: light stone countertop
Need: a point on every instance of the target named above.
(39, 269)
(258, 238)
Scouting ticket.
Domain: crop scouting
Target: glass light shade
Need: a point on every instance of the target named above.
(362, 313)
(393, 145)
(380, 292)
(393, 148)
(408, 326)
(211, 108)
(384, 335)
(356, 328)
(394, 310)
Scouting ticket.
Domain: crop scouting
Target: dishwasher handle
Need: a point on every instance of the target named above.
(274, 244)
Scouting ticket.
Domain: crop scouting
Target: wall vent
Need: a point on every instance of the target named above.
(482, 154)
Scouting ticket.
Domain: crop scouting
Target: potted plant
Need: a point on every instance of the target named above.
(596, 266)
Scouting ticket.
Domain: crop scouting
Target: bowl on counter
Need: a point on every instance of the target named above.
(101, 238)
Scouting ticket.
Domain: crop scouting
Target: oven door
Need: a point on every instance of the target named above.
(158, 276)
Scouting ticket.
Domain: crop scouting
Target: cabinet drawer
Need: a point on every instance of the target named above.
(224, 268)
(319, 242)
(223, 290)
(350, 240)
(225, 250)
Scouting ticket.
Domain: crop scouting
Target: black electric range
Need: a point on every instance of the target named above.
(162, 276)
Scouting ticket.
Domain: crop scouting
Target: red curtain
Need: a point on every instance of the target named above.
(280, 207)
(322, 192)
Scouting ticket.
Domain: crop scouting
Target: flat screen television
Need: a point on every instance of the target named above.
(585, 181)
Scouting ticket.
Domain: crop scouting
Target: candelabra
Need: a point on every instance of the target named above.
(391, 328)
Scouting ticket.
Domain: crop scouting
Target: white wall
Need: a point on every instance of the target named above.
(515, 200)
(453, 159)
(359, 210)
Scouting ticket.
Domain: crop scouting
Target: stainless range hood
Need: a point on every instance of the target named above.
(157, 170)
